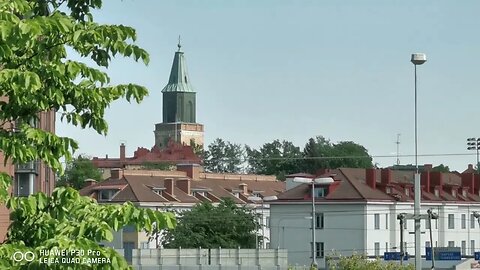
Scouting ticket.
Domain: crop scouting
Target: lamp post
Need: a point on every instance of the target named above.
(262, 200)
(320, 180)
(474, 144)
(417, 59)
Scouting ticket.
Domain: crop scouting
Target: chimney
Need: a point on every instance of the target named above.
(436, 179)
(192, 170)
(89, 182)
(184, 185)
(116, 173)
(371, 177)
(468, 180)
(122, 152)
(427, 167)
(168, 185)
(425, 181)
(244, 188)
(386, 176)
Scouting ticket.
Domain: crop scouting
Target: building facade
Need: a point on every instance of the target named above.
(179, 108)
(28, 178)
(357, 213)
(180, 190)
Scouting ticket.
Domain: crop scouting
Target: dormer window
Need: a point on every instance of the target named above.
(464, 193)
(202, 193)
(236, 194)
(437, 193)
(454, 193)
(321, 192)
(157, 190)
(407, 192)
(106, 194)
(388, 190)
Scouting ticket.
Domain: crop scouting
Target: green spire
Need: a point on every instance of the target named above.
(179, 80)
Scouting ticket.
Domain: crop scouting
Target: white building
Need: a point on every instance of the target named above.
(358, 211)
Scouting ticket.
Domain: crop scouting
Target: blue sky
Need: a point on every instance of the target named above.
(296, 69)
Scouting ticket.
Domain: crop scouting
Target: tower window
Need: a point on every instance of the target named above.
(186, 81)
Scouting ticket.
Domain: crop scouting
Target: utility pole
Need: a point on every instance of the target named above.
(431, 216)
(398, 148)
(401, 217)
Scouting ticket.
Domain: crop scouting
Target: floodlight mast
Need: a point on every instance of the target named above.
(417, 59)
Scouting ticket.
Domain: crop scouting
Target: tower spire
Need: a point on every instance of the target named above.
(179, 45)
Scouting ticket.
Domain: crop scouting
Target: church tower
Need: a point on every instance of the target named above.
(179, 108)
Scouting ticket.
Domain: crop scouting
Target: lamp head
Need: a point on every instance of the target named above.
(418, 58)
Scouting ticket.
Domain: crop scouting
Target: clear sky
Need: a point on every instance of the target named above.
(277, 69)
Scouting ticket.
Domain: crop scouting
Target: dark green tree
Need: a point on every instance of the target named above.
(208, 226)
(321, 153)
(278, 158)
(77, 170)
(224, 157)
(441, 168)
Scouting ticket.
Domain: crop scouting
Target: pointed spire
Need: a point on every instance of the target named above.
(179, 80)
(179, 45)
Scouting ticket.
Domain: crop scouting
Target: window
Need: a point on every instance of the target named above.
(427, 244)
(454, 193)
(321, 192)
(405, 222)
(267, 222)
(267, 245)
(464, 193)
(472, 221)
(386, 246)
(436, 223)
(464, 221)
(388, 190)
(377, 249)
(451, 221)
(319, 249)
(451, 243)
(464, 248)
(106, 195)
(129, 228)
(144, 245)
(472, 247)
(437, 193)
(407, 192)
(319, 220)
(377, 221)
(386, 221)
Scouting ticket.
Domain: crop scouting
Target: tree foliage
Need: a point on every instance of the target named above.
(224, 156)
(278, 158)
(209, 226)
(360, 262)
(36, 76)
(77, 170)
(67, 221)
(441, 168)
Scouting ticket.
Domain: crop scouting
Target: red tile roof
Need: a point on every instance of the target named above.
(352, 185)
(137, 186)
(174, 153)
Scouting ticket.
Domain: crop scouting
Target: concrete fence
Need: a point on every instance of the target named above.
(209, 259)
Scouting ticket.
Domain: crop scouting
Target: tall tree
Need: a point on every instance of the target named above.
(441, 168)
(77, 171)
(224, 157)
(276, 158)
(209, 226)
(35, 76)
(321, 153)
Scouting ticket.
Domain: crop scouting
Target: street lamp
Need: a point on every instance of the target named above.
(474, 144)
(417, 59)
(262, 200)
(320, 180)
